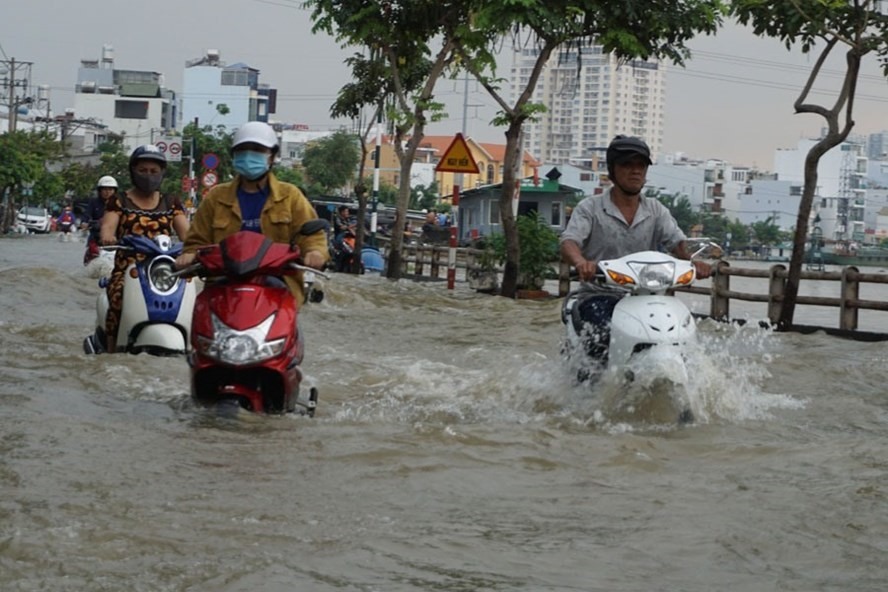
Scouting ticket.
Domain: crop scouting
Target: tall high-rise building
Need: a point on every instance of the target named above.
(590, 98)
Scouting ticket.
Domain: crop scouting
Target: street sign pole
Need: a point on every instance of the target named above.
(457, 159)
(375, 197)
(454, 228)
(192, 194)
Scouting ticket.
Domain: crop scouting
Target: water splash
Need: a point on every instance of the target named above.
(724, 378)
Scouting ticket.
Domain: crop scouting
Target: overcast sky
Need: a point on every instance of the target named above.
(732, 101)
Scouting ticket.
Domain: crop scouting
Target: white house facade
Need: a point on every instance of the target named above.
(216, 94)
(130, 103)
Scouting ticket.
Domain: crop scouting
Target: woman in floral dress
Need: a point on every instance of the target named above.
(142, 211)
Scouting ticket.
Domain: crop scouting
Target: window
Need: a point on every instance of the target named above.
(235, 78)
(494, 212)
(556, 213)
(131, 109)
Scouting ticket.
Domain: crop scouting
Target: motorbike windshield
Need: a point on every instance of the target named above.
(245, 254)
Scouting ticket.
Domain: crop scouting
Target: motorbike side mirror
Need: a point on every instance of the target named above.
(708, 250)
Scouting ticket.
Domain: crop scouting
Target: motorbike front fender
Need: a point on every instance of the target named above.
(642, 321)
(161, 337)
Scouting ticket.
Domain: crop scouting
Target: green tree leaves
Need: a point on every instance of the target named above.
(330, 162)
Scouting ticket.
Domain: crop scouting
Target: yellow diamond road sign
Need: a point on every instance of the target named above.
(457, 158)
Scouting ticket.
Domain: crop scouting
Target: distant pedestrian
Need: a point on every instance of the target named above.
(65, 224)
(106, 188)
(431, 223)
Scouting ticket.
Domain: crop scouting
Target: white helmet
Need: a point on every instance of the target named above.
(256, 132)
(107, 181)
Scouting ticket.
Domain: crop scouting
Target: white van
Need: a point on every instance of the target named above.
(35, 219)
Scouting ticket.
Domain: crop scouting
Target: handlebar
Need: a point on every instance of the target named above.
(706, 246)
(187, 271)
(311, 269)
(194, 269)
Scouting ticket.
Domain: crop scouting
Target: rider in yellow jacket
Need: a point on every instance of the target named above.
(279, 217)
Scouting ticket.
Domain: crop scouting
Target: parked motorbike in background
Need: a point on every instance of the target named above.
(342, 251)
(246, 344)
(156, 314)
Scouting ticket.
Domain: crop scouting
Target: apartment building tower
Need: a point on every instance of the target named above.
(590, 98)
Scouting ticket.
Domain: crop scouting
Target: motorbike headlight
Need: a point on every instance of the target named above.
(161, 275)
(654, 276)
(239, 348)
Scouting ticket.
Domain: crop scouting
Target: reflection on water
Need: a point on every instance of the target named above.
(451, 450)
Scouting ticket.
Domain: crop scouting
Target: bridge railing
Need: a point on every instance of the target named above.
(421, 260)
(430, 260)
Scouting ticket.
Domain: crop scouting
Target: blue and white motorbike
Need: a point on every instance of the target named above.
(157, 305)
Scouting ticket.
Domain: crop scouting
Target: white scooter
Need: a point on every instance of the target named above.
(157, 305)
(649, 330)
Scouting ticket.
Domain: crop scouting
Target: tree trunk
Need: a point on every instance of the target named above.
(405, 158)
(812, 159)
(361, 193)
(511, 180)
(832, 139)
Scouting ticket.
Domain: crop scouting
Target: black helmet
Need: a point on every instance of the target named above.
(147, 152)
(622, 148)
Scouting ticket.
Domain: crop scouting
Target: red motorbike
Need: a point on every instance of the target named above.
(245, 343)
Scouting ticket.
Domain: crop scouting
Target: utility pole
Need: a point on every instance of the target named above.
(11, 103)
(11, 82)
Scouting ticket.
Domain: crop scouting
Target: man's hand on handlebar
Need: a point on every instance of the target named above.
(587, 270)
(704, 270)
(313, 259)
(184, 260)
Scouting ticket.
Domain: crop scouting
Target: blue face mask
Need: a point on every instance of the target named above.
(250, 165)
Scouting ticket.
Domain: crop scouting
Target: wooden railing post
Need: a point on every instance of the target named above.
(563, 278)
(720, 303)
(420, 254)
(776, 291)
(436, 262)
(850, 288)
(405, 259)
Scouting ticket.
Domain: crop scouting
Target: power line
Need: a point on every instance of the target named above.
(296, 5)
(774, 85)
(774, 65)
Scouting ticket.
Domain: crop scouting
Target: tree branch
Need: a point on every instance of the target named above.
(800, 106)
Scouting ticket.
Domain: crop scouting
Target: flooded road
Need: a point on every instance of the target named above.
(450, 451)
